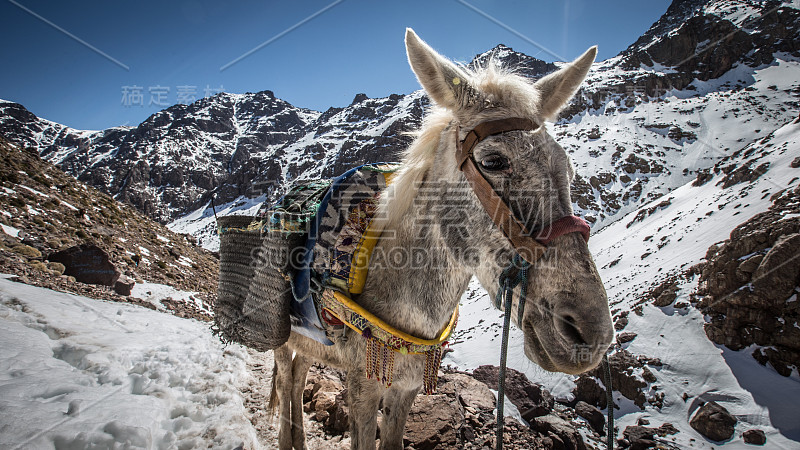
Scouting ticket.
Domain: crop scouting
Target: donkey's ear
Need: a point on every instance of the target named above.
(444, 82)
(557, 89)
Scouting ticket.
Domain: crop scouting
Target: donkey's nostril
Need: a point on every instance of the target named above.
(569, 330)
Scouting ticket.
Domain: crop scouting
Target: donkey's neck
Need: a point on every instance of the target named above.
(414, 283)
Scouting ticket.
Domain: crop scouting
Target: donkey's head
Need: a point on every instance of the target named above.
(565, 319)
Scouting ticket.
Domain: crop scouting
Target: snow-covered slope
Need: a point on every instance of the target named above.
(81, 373)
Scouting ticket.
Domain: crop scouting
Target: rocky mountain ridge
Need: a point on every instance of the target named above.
(244, 145)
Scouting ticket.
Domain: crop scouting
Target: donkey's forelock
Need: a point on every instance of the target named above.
(500, 88)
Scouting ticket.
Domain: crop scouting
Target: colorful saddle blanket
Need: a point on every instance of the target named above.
(337, 218)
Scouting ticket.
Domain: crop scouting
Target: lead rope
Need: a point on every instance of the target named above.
(506, 294)
(609, 402)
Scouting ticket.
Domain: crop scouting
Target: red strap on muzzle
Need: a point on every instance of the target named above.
(562, 226)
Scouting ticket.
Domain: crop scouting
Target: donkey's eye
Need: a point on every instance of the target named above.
(494, 163)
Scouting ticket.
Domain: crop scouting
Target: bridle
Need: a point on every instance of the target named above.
(529, 248)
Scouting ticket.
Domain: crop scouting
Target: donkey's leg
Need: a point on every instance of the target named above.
(300, 367)
(283, 382)
(363, 396)
(396, 404)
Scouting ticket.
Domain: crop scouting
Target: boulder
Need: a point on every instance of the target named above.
(638, 437)
(592, 415)
(469, 391)
(88, 263)
(624, 380)
(566, 433)
(434, 422)
(754, 437)
(713, 421)
(625, 337)
(124, 285)
(531, 399)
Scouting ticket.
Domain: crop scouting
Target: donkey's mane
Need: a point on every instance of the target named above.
(493, 87)
(416, 161)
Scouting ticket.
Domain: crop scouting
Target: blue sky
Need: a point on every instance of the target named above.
(177, 48)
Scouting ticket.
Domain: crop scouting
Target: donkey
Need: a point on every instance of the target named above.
(567, 307)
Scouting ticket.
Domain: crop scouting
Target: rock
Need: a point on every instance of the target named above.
(88, 263)
(775, 280)
(713, 421)
(124, 285)
(589, 391)
(666, 428)
(626, 337)
(339, 420)
(592, 415)
(323, 401)
(623, 367)
(795, 163)
(754, 437)
(747, 280)
(567, 434)
(469, 391)
(703, 177)
(648, 376)
(434, 422)
(532, 400)
(665, 293)
(640, 437)
(742, 174)
(324, 398)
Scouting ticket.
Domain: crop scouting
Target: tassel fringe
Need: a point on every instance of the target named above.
(379, 362)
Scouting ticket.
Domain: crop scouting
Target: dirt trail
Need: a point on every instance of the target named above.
(256, 397)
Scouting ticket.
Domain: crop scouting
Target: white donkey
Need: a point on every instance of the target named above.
(499, 173)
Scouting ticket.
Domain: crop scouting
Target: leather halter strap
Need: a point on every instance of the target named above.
(528, 247)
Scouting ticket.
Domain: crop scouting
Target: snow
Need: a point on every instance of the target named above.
(69, 205)
(154, 293)
(202, 223)
(9, 230)
(94, 374)
(30, 189)
(185, 261)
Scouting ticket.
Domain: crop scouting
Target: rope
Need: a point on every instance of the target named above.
(506, 294)
(609, 402)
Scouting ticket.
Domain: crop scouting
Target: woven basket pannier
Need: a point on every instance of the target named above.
(254, 294)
